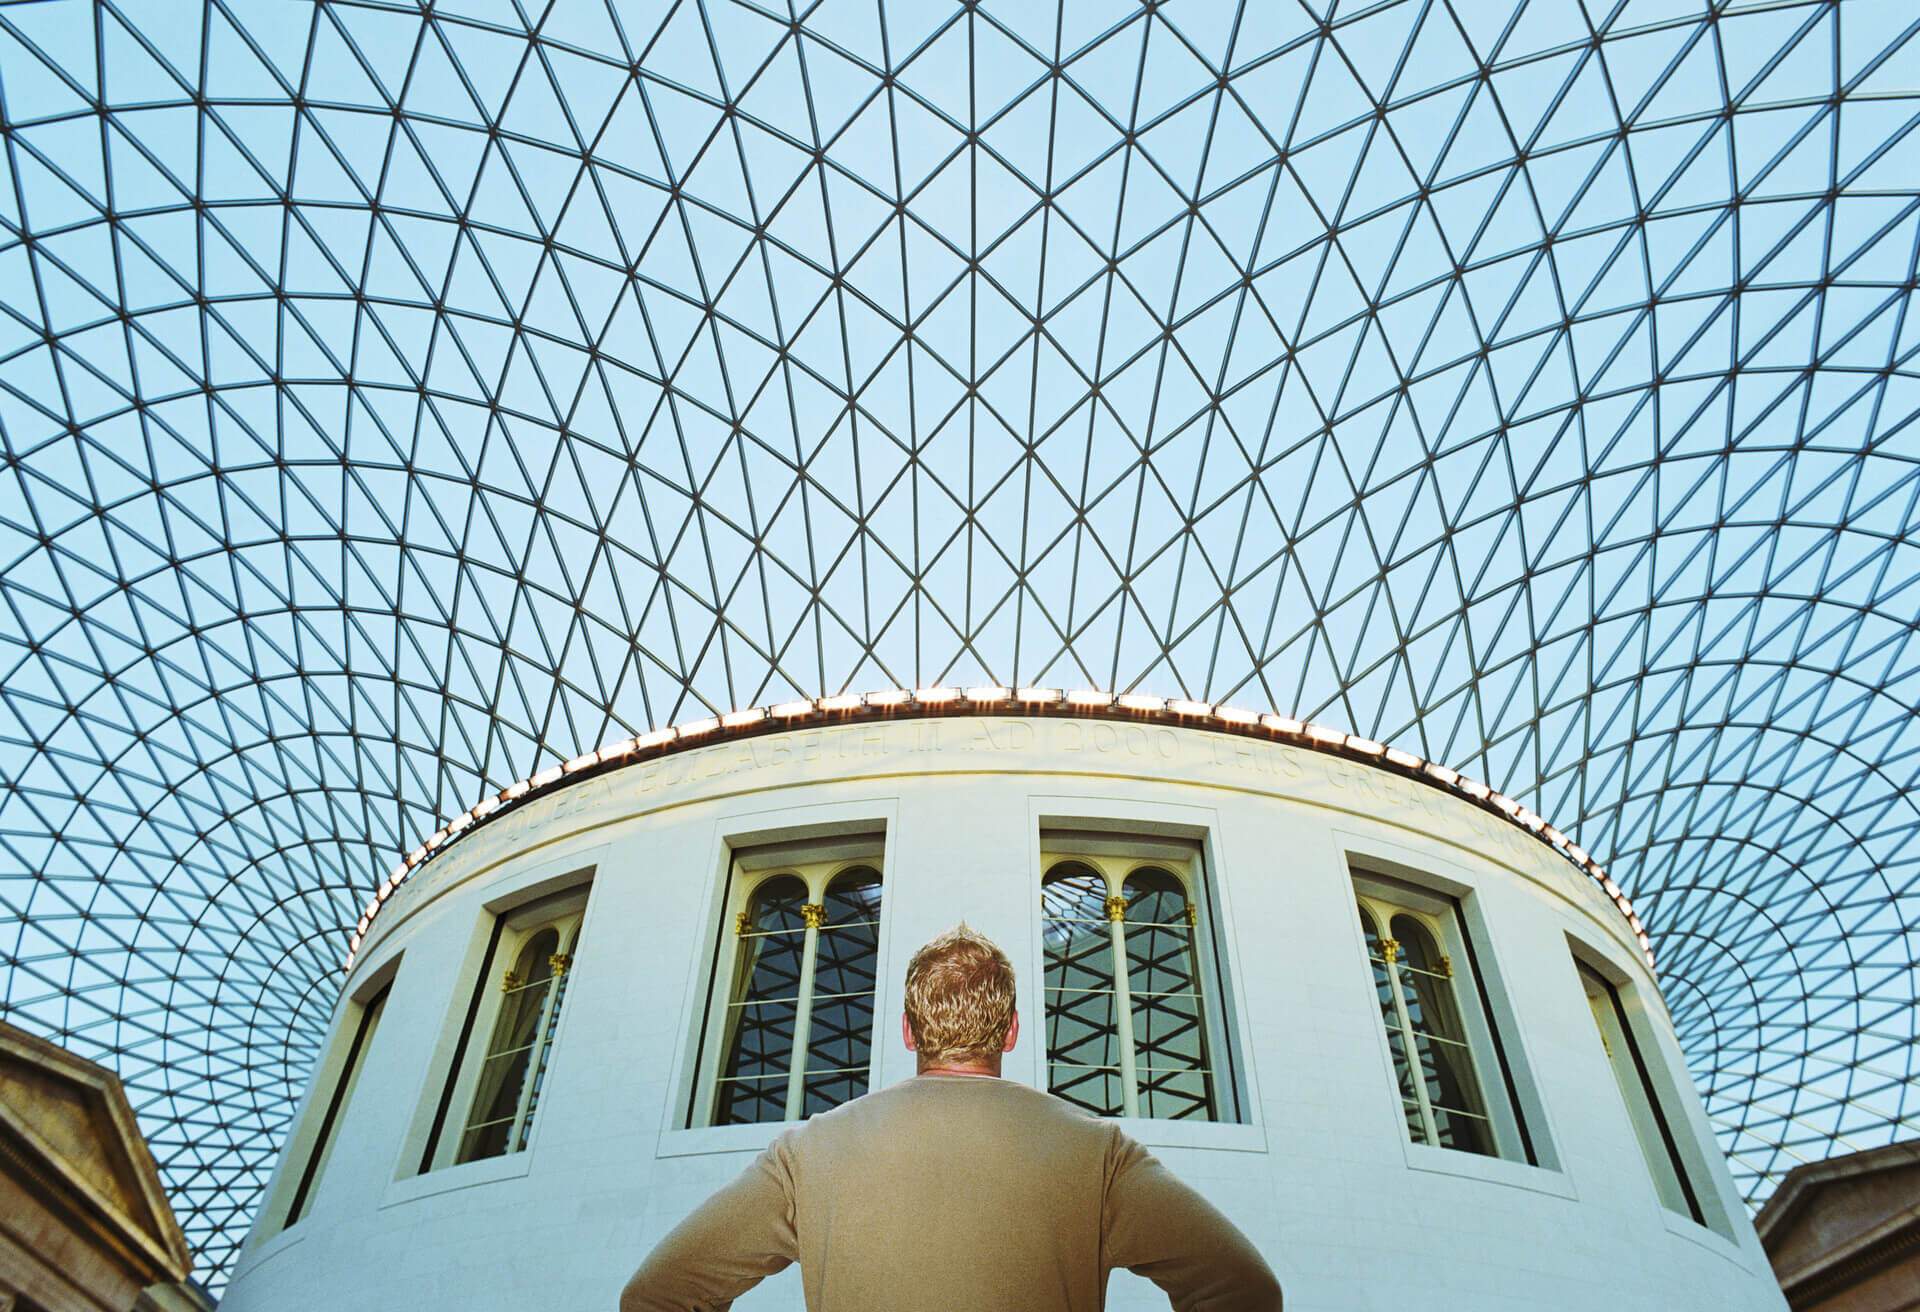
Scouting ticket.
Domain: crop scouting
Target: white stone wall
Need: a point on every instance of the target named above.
(1350, 1214)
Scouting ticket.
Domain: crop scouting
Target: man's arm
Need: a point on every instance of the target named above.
(726, 1246)
(1157, 1227)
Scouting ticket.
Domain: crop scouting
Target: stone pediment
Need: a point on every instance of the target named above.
(65, 1123)
(1842, 1211)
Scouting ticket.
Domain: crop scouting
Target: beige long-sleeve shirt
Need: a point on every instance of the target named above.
(954, 1192)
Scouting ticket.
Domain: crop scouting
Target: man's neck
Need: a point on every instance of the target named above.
(990, 1072)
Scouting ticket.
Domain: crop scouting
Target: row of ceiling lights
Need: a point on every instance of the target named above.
(1299, 732)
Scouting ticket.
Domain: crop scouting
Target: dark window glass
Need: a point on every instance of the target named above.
(1439, 1039)
(525, 1022)
(1163, 980)
(1396, 1034)
(1083, 1046)
(766, 1000)
(846, 963)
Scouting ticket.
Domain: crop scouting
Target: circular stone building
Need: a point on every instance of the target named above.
(1397, 1027)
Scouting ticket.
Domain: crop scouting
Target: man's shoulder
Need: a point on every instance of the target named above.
(942, 1097)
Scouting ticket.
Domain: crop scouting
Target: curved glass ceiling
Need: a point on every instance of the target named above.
(395, 404)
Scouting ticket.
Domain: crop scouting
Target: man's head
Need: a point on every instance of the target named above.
(960, 1013)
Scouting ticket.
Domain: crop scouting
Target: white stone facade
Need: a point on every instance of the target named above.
(1323, 1176)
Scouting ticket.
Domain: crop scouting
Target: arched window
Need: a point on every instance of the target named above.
(507, 1089)
(845, 973)
(1446, 1060)
(766, 1001)
(1083, 1032)
(492, 1092)
(1448, 1081)
(516, 1033)
(1163, 987)
(1129, 1028)
(500, 1061)
(792, 1033)
(1387, 994)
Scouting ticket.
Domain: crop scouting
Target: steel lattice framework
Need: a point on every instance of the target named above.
(395, 400)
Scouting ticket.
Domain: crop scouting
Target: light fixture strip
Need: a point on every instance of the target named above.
(1320, 737)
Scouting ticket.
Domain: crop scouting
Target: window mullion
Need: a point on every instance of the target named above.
(815, 914)
(1123, 1005)
(1416, 1065)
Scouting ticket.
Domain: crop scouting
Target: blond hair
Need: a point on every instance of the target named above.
(959, 998)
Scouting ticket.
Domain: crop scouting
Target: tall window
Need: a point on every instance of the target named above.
(1132, 983)
(789, 1028)
(1650, 1126)
(1446, 1057)
(493, 1092)
(363, 1026)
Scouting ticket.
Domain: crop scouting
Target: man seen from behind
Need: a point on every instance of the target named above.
(955, 1189)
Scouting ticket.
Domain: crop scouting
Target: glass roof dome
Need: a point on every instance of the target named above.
(396, 401)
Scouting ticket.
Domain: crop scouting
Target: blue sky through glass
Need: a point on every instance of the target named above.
(393, 405)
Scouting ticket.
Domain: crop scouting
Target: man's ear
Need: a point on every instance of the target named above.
(1013, 1032)
(906, 1033)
